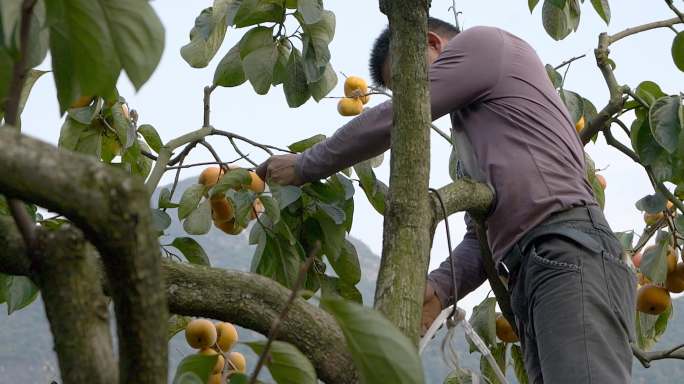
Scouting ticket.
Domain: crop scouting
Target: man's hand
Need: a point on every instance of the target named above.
(432, 307)
(280, 169)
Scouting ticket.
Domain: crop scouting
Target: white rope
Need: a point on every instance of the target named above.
(469, 332)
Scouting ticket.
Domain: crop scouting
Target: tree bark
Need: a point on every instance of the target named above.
(75, 306)
(112, 209)
(254, 301)
(406, 235)
(249, 300)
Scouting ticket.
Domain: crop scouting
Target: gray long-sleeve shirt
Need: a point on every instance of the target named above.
(500, 100)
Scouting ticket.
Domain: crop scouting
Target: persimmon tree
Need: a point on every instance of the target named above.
(105, 238)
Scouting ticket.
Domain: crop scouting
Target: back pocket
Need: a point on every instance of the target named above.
(621, 285)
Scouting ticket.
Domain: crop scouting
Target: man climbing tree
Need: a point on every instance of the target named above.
(571, 292)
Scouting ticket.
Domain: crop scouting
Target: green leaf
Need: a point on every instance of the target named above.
(558, 3)
(643, 142)
(6, 65)
(160, 220)
(295, 85)
(626, 240)
(346, 265)
(649, 92)
(574, 103)
(165, 199)
(278, 259)
(253, 12)
(20, 293)
(483, 320)
(198, 221)
(286, 363)
(229, 72)
(84, 115)
(532, 4)
(519, 364)
(554, 76)
(334, 287)
(31, 77)
(664, 122)
(151, 136)
(375, 190)
(652, 203)
(315, 40)
(649, 328)
(280, 69)
(462, 376)
(206, 38)
(124, 128)
(39, 36)
(138, 37)
(175, 324)
(603, 9)
(240, 378)
(135, 162)
(311, 10)
(334, 212)
(381, 353)
(333, 235)
(190, 199)
(555, 21)
(589, 110)
(654, 261)
(678, 51)
(285, 195)
(84, 57)
(242, 202)
(200, 366)
(305, 144)
(235, 179)
(4, 279)
(80, 138)
(259, 54)
(192, 250)
(325, 84)
(271, 207)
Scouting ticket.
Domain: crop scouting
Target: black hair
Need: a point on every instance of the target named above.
(380, 50)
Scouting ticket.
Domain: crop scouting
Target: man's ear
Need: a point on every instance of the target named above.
(435, 41)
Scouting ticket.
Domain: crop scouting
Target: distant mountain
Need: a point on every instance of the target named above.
(26, 354)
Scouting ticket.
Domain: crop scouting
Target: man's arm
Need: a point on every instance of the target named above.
(465, 72)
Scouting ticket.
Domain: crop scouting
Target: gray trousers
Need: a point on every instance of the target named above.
(574, 306)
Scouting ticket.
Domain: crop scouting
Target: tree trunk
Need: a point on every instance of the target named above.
(112, 209)
(406, 236)
(68, 277)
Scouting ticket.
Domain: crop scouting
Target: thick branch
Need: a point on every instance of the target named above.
(112, 209)
(246, 299)
(75, 305)
(462, 195)
(254, 302)
(642, 28)
(406, 237)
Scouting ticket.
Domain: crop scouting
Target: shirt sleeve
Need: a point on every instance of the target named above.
(464, 73)
(470, 272)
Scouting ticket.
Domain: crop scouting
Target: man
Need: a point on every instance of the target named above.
(572, 294)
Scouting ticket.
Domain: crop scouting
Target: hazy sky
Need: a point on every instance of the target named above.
(172, 99)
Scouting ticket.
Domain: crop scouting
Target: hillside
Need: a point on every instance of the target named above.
(26, 354)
